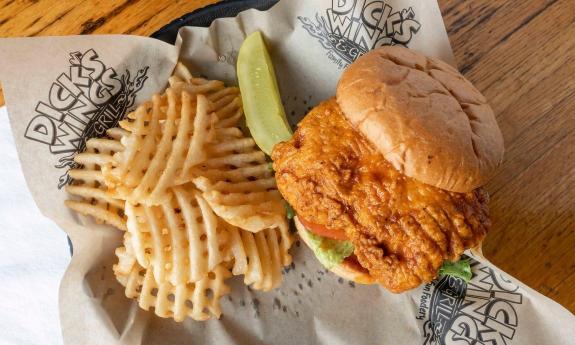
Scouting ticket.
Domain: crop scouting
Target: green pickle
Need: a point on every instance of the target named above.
(265, 115)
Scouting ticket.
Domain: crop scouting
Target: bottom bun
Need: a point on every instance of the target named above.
(344, 269)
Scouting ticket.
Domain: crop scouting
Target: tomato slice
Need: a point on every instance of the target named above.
(323, 231)
(353, 263)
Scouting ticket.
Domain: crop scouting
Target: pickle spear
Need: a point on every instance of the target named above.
(265, 115)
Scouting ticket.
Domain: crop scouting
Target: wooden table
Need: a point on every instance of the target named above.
(520, 54)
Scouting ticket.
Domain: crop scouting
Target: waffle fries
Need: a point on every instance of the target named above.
(185, 240)
(167, 138)
(180, 239)
(94, 198)
(161, 136)
(260, 257)
(185, 184)
(198, 300)
(237, 181)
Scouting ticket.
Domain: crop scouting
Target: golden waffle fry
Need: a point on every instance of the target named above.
(89, 186)
(157, 150)
(181, 240)
(237, 182)
(226, 103)
(182, 79)
(186, 184)
(226, 100)
(167, 139)
(181, 73)
(197, 86)
(227, 107)
(199, 300)
(260, 256)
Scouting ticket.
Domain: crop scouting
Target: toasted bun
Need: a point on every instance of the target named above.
(343, 270)
(424, 117)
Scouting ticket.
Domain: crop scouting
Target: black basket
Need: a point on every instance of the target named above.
(206, 15)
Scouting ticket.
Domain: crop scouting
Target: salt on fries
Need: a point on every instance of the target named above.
(196, 196)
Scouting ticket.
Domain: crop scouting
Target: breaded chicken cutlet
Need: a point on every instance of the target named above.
(402, 230)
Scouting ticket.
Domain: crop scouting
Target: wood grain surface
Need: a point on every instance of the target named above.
(520, 54)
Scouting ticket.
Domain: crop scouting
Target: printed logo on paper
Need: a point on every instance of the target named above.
(350, 28)
(479, 312)
(81, 104)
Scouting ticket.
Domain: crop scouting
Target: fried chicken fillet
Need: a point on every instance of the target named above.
(402, 229)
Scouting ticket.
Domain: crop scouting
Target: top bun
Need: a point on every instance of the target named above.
(425, 118)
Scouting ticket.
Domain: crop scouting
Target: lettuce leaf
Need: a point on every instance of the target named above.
(290, 213)
(460, 269)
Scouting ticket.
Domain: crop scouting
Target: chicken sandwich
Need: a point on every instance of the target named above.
(386, 178)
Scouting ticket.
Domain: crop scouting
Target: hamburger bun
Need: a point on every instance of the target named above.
(344, 269)
(425, 118)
